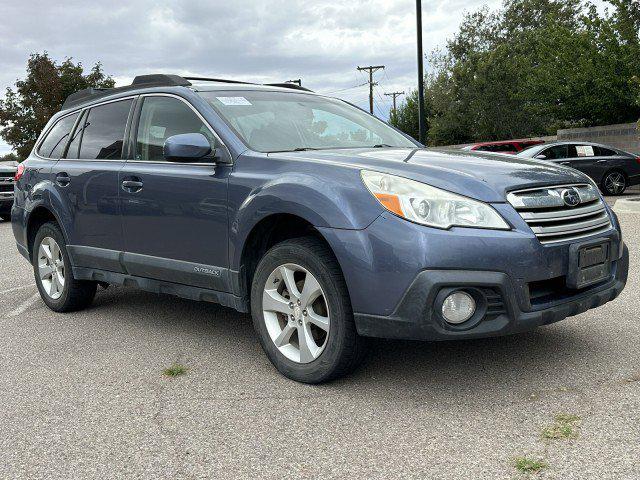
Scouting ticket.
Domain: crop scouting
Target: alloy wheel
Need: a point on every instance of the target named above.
(615, 183)
(51, 267)
(296, 313)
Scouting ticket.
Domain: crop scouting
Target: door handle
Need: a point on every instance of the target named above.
(132, 186)
(63, 179)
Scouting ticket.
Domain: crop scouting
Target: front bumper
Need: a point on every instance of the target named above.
(415, 318)
(394, 270)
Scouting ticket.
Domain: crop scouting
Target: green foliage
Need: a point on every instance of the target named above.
(175, 370)
(533, 67)
(25, 111)
(9, 157)
(406, 117)
(529, 465)
(565, 427)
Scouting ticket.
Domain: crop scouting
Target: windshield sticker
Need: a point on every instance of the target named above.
(234, 101)
(584, 150)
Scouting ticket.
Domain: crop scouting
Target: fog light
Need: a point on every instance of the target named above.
(458, 307)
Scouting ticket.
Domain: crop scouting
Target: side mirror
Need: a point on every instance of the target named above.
(186, 147)
(542, 156)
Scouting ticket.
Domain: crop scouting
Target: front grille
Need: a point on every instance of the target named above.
(553, 220)
(552, 290)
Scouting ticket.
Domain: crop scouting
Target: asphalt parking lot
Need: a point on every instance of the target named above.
(83, 395)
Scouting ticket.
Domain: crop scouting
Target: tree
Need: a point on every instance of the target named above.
(25, 111)
(405, 117)
(533, 67)
(9, 157)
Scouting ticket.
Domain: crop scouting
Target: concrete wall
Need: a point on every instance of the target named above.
(624, 136)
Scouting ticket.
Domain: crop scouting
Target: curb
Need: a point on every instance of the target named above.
(627, 205)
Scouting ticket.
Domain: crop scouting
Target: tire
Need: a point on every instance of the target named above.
(6, 218)
(342, 348)
(614, 183)
(70, 294)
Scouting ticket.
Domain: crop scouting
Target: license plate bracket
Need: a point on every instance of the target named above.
(589, 263)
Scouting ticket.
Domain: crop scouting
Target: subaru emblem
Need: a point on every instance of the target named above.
(571, 197)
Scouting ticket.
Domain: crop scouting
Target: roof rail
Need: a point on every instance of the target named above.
(291, 85)
(221, 80)
(160, 80)
(225, 80)
(141, 81)
(83, 95)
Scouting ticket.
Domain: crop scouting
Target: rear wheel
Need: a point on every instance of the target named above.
(614, 183)
(302, 312)
(54, 277)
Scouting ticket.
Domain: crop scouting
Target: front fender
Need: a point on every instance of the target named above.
(330, 198)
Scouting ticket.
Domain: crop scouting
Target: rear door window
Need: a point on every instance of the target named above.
(103, 131)
(585, 151)
(53, 144)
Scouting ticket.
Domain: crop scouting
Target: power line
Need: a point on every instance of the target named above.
(394, 95)
(345, 89)
(371, 69)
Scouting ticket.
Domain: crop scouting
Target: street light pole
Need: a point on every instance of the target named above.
(421, 120)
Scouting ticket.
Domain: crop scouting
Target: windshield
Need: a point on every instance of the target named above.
(282, 121)
(532, 150)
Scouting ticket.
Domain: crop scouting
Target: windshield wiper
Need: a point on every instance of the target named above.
(382, 145)
(299, 149)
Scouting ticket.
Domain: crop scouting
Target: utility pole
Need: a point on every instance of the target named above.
(371, 69)
(299, 82)
(394, 95)
(421, 120)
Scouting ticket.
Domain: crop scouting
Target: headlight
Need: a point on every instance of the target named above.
(428, 205)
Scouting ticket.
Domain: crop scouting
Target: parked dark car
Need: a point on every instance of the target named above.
(325, 223)
(506, 146)
(612, 169)
(7, 172)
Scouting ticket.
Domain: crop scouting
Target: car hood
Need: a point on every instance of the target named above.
(482, 176)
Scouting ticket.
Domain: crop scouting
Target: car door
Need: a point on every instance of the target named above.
(606, 160)
(86, 180)
(583, 157)
(174, 215)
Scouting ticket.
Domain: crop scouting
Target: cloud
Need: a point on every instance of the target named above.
(320, 41)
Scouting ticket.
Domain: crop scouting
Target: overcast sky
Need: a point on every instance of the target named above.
(319, 41)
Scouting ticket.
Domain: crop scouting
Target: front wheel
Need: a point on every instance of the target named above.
(614, 183)
(302, 312)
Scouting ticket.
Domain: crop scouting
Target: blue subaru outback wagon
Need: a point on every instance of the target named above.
(322, 221)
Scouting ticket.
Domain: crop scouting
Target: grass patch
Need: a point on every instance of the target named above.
(529, 465)
(174, 371)
(565, 427)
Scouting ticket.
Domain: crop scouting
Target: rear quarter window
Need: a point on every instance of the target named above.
(56, 139)
(604, 152)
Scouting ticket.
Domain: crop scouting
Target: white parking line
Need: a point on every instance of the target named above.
(15, 289)
(24, 306)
